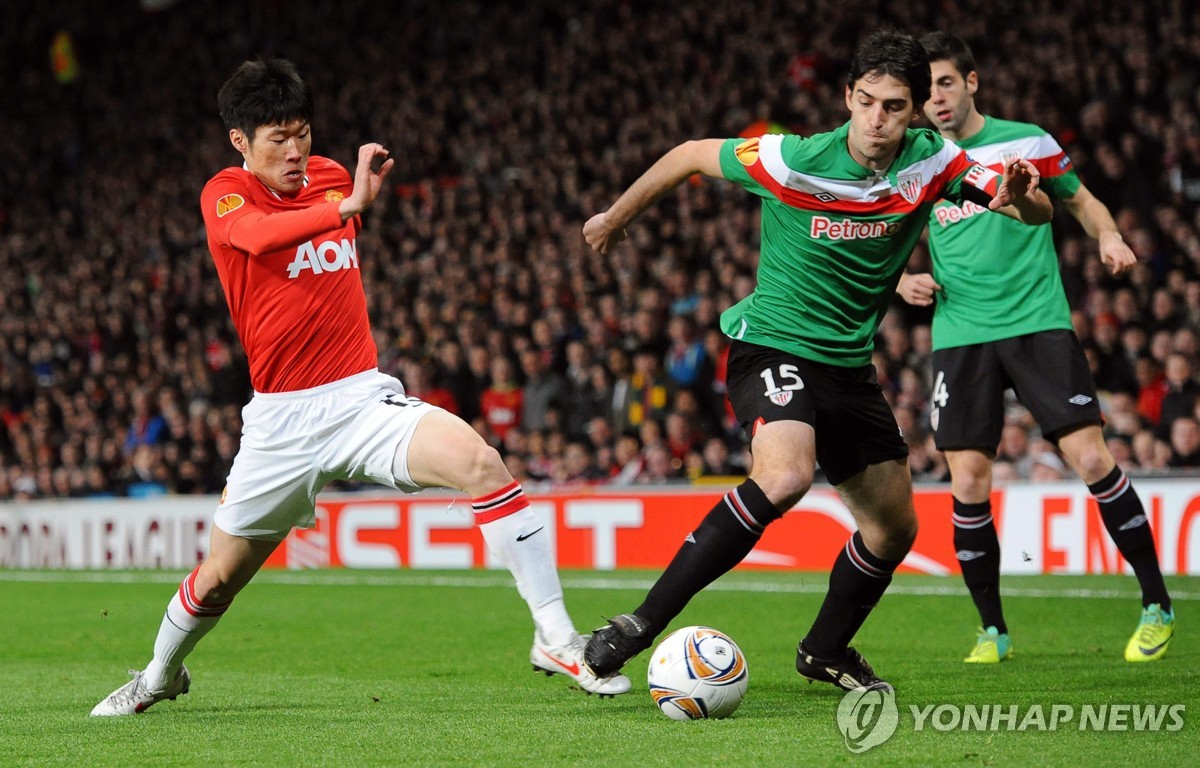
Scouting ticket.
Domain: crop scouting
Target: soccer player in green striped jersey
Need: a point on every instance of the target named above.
(1001, 320)
(841, 212)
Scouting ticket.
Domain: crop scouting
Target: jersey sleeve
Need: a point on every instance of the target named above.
(1059, 178)
(232, 217)
(739, 158)
(965, 179)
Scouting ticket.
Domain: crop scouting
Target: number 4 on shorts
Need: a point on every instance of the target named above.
(940, 393)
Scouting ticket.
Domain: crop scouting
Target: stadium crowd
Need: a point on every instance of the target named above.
(510, 123)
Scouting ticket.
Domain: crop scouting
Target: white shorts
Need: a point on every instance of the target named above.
(294, 443)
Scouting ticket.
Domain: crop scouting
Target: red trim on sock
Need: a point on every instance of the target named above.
(489, 498)
(502, 503)
(860, 562)
(1119, 487)
(193, 605)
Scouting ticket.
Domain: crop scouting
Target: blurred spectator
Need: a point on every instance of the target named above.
(502, 402)
(925, 461)
(646, 395)
(659, 467)
(454, 376)
(577, 466)
(543, 390)
(1185, 443)
(1014, 448)
(716, 460)
(1151, 389)
(146, 426)
(686, 362)
(1047, 467)
(628, 460)
(1181, 390)
(1113, 372)
(417, 377)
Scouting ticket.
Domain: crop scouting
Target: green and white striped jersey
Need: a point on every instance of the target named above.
(836, 235)
(999, 277)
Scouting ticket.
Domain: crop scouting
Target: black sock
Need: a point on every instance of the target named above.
(856, 582)
(722, 540)
(978, 550)
(1125, 518)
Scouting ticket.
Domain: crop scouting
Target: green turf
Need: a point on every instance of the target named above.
(424, 668)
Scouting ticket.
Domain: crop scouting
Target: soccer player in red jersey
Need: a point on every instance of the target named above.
(282, 230)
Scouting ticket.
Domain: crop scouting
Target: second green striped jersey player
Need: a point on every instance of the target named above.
(988, 299)
(1002, 321)
(841, 212)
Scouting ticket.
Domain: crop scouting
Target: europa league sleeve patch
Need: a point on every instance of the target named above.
(747, 152)
(229, 203)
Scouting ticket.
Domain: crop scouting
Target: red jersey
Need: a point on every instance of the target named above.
(289, 269)
(502, 409)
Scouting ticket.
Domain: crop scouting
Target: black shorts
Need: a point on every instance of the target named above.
(854, 426)
(1047, 370)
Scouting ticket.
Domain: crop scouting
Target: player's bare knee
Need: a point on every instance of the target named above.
(971, 489)
(784, 487)
(1092, 463)
(484, 470)
(902, 534)
(890, 537)
(214, 583)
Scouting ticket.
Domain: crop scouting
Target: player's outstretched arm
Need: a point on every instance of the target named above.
(917, 288)
(604, 230)
(1099, 223)
(1019, 197)
(367, 182)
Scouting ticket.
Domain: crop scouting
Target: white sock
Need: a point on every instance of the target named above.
(511, 530)
(185, 622)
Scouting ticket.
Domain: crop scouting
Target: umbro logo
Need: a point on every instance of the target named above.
(524, 536)
(1080, 400)
(967, 555)
(825, 197)
(1133, 522)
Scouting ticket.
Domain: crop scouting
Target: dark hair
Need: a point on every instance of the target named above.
(264, 92)
(892, 52)
(943, 46)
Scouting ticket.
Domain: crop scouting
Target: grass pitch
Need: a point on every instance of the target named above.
(422, 668)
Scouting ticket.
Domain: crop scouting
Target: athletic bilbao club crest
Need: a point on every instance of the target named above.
(781, 398)
(909, 185)
(1009, 156)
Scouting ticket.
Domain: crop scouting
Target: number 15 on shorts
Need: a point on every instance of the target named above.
(790, 381)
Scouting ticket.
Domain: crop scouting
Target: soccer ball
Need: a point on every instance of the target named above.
(697, 672)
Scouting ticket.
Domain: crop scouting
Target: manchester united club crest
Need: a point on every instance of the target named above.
(910, 186)
(781, 398)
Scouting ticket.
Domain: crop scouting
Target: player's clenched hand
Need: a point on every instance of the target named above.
(918, 289)
(1021, 178)
(600, 234)
(367, 182)
(1115, 254)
